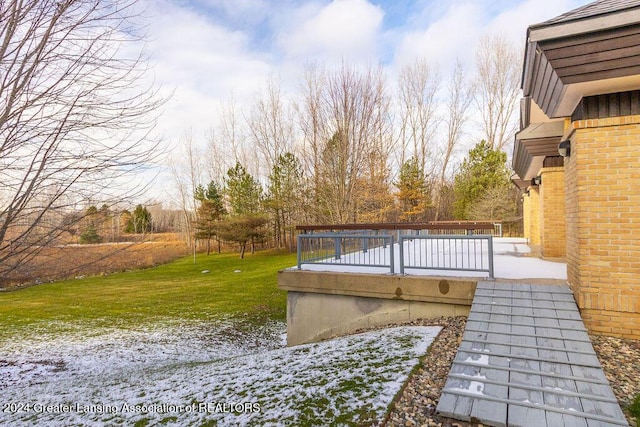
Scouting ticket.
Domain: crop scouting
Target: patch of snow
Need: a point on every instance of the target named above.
(474, 387)
(480, 359)
(474, 375)
(507, 245)
(195, 373)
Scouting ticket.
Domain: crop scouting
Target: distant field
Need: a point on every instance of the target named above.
(72, 260)
(178, 290)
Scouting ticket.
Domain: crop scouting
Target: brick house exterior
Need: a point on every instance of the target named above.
(577, 156)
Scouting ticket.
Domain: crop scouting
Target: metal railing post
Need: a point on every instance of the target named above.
(336, 247)
(490, 240)
(299, 252)
(401, 246)
(391, 259)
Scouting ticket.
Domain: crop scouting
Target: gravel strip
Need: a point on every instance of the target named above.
(416, 403)
(620, 359)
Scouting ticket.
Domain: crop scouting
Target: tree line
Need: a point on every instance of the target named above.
(78, 118)
(241, 211)
(350, 147)
(108, 225)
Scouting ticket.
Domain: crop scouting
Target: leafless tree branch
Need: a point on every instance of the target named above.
(77, 115)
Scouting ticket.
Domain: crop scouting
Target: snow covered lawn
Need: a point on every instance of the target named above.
(203, 374)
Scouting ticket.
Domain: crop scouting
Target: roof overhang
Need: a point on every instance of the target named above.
(533, 144)
(568, 60)
(520, 183)
(575, 92)
(592, 50)
(581, 26)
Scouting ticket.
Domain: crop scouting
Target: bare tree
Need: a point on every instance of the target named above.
(312, 124)
(186, 169)
(497, 89)
(76, 120)
(230, 138)
(374, 201)
(270, 126)
(354, 104)
(417, 88)
(458, 100)
(344, 117)
(495, 204)
(215, 161)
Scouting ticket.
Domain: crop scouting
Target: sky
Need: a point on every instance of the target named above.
(205, 52)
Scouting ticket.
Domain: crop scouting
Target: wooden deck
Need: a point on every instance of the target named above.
(526, 360)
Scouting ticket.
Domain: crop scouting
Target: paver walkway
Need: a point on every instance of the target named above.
(526, 360)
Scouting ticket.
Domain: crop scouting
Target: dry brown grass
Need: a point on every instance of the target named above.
(67, 261)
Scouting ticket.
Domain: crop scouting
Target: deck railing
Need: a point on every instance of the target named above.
(413, 251)
(428, 227)
(455, 253)
(352, 249)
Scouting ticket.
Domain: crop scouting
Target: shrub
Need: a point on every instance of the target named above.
(90, 235)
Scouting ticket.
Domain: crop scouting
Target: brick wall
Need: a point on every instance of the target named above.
(602, 187)
(526, 215)
(534, 204)
(552, 213)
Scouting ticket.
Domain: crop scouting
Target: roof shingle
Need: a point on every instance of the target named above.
(597, 8)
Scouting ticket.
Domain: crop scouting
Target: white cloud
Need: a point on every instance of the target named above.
(200, 54)
(202, 63)
(343, 28)
(247, 10)
(452, 36)
(512, 23)
(456, 33)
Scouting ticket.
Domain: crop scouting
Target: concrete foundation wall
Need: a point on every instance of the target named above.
(322, 305)
(314, 317)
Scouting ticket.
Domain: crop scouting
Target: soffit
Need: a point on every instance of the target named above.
(533, 144)
(590, 51)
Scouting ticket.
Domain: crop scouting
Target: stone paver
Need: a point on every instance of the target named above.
(526, 360)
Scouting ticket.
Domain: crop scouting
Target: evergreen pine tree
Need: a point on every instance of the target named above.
(484, 170)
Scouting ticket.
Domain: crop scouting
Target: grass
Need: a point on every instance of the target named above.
(634, 408)
(334, 389)
(175, 291)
